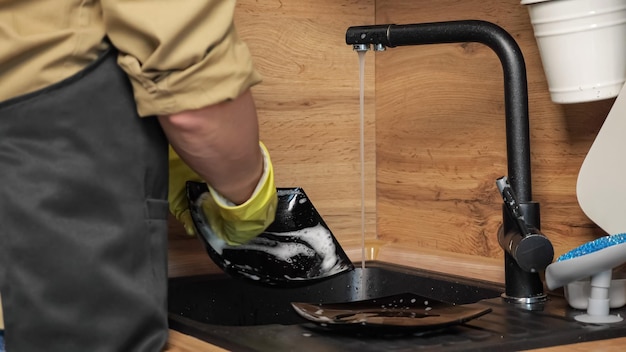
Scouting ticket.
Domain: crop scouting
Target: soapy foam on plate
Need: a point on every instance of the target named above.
(309, 252)
(312, 240)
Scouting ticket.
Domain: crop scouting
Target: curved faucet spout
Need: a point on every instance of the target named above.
(520, 284)
(513, 66)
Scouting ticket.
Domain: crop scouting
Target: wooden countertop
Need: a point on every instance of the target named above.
(185, 343)
(187, 257)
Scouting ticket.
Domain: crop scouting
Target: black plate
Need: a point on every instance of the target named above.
(297, 248)
(401, 312)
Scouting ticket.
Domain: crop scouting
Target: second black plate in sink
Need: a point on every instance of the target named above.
(406, 311)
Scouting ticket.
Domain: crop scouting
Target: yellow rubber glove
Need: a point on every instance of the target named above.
(235, 224)
(179, 174)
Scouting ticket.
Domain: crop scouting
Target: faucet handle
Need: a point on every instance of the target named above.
(512, 205)
(531, 249)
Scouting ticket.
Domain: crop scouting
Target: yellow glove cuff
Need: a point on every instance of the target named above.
(237, 224)
(179, 174)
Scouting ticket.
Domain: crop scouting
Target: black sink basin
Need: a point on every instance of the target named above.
(242, 316)
(225, 301)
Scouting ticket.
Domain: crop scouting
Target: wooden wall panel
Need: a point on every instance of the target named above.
(434, 126)
(308, 103)
(440, 136)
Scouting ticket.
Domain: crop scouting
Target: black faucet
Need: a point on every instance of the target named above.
(522, 281)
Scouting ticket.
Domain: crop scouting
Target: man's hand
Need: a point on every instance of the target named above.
(235, 224)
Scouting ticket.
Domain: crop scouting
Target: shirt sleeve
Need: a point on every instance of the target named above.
(179, 54)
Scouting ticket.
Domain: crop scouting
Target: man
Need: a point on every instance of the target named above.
(91, 92)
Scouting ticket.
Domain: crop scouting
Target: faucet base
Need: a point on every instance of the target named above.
(533, 303)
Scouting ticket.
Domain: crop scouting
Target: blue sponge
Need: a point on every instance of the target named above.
(594, 246)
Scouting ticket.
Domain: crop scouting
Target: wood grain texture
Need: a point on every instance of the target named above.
(308, 103)
(440, 136)
(434, 125)
(184, 343)
(179, 342)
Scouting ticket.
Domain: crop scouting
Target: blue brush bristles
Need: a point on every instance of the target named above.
(594, 246)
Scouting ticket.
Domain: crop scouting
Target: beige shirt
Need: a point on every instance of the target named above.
(178, 54)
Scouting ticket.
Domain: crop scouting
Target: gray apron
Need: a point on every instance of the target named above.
(83, 217)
